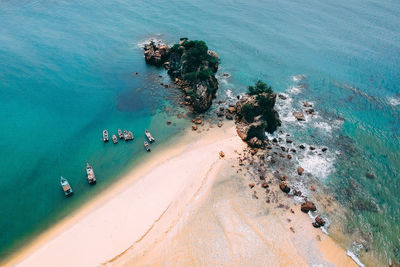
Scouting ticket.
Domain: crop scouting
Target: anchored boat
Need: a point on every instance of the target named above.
(114, 138)
(66, 187)
(105, 136)
(90, 174)
(147, 146)
(120, 135)
(128, 135)
(148, 135)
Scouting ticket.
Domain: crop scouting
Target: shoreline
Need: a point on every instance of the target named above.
(93, 204)
(158, 211)
(129, 179)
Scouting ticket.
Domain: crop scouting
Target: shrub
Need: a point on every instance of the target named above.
(204, 74)
(265, 102)
(249, 112)
(191, 76)
(196, 52)
(175, 49)
(256, 132)
(259, 87)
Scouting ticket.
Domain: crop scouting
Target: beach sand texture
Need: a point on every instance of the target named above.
(185, 207)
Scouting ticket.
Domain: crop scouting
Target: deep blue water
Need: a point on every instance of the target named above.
(66, 72)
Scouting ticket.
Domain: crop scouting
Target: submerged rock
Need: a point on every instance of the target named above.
(299, 116)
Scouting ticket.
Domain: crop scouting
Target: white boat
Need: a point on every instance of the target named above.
(105, 136)
(128, 135)
(147, 146)
(114, 138)
(149, 136)
(66, 187)
(90, 174)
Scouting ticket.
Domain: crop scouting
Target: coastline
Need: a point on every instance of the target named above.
(130, 179)
(137, 212)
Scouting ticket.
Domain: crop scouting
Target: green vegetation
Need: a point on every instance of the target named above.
(259, 88)
(204, 74)
(256, 132)
(249, 112)
(262, 106)
(176, 49)
(191, 76)
(195, 53)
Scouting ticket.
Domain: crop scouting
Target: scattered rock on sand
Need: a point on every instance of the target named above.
(220, 124)
(251, 185)
(229, 116)
(221, 154)
(194, 127)
(307, 105)
(168, 122)
(284, 187)
(324, 149)
(319, 220)
(307, 206)
(302, 147)
(300, 170)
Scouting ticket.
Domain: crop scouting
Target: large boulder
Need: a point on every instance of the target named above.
(308, 206)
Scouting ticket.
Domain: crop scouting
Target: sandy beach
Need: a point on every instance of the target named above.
(185, 207)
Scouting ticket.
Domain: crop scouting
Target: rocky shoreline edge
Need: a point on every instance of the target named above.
(254, 115)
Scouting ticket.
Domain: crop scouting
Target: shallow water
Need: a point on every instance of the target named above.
(66, 72)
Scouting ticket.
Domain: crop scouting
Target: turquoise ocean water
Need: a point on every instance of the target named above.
(67, 71)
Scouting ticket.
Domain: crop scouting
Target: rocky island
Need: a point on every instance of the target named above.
(192, 66)
(255, 114)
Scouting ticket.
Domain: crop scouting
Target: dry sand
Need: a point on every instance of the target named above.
(185, 207)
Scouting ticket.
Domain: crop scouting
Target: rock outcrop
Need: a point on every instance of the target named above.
(255, 114)
(193, 68)
(156, 55)
(307, 206)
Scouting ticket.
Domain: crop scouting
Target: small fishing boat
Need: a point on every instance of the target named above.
(114, 138)
(105, 136)
(147, 146)
(66, 187)
(128, 135)
(148, 135)
(120, 135)
(90, 174)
